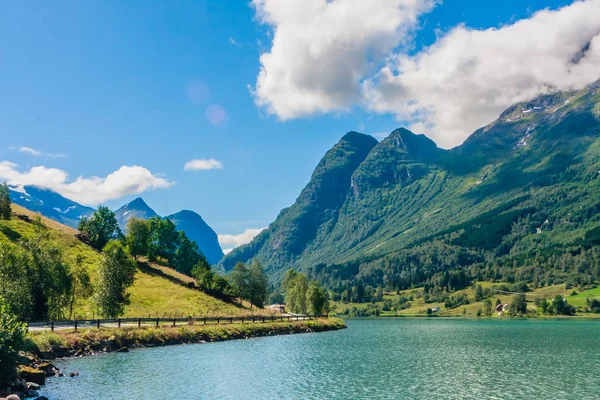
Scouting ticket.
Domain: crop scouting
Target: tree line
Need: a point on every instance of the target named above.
(41, 284)
(156, 238)
(304, 296)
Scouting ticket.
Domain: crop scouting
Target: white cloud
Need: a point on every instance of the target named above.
(322, 49)
(328, 56)
(29, 150)
(468, 77)
(34, 152)
(227, 251)
(127, 180)
(202, 164)
(238, 240)
(234, 42)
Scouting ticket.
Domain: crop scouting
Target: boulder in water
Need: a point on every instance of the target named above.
(32, 375)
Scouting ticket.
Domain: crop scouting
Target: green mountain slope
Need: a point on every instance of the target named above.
(156, 290)
(516, 197)
(315, 211)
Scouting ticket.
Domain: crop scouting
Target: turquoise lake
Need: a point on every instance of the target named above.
(372, 359)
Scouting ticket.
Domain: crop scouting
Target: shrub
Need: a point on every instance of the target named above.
(12, 338)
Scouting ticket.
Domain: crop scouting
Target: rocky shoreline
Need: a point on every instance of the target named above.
(31, 376)
(35, 367)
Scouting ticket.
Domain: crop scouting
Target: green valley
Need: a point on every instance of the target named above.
(517, 202)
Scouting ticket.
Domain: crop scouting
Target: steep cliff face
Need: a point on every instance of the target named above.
(315, 210)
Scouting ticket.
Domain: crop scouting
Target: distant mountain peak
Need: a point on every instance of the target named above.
(199, 231)
(136, 208)
(49, 203)
(137, 203)
(418, 146)
(359, 139)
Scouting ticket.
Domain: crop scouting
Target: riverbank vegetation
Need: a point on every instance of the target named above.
(110, 339)
(12, 339)
(303, 296)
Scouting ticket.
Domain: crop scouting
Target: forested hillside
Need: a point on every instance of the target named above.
(518, 201)
(47, 272)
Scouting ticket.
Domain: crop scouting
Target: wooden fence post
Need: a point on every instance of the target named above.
(218, 320)
(139, 322)
(173, 322)
(157, 319)
(231, 320)
(75, 325)
(204, 320)
(52, 326)
(98, 323)
(119, 323)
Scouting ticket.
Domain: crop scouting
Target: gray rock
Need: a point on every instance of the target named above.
(33, 386)
(19, 385)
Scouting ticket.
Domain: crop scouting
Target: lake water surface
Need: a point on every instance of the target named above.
(372, 359)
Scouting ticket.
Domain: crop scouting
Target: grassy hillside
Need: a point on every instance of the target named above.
(418, 306)
(151, 293)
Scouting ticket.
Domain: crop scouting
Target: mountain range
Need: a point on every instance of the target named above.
(50, 204)
(518, 193)
(54, 206)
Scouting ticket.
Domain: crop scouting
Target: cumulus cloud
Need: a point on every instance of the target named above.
(238, 240)
(227, 251)
(34, 152)
(127, 180)
(468, 77)
(323, 53)
(202, 164)
(321, 50)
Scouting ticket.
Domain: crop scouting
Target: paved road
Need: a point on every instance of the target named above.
(165, 323)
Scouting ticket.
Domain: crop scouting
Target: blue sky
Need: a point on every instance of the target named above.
(89, 87)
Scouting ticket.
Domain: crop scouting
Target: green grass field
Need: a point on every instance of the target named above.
(580, 298)
(151, 294)
(419, 307)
